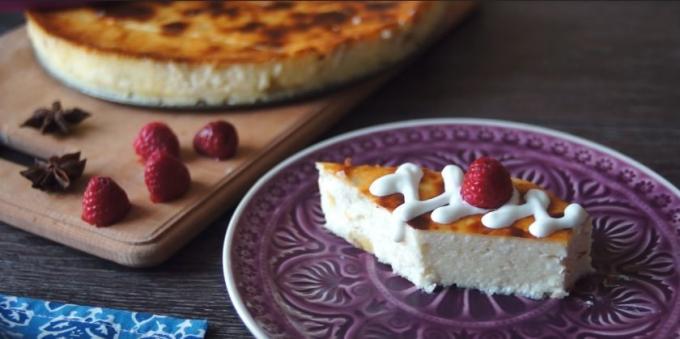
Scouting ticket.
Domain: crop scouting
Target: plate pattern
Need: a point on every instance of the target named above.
(296, 279)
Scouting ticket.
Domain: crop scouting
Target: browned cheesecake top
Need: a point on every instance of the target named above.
(431, 186)
(224, 32)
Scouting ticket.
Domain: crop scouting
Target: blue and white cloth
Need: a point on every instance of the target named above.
(32, 318)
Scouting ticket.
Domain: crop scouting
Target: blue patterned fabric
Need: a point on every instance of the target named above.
(32, 318)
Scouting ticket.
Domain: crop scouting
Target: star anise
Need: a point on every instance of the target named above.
(55, 119)
(57, 173)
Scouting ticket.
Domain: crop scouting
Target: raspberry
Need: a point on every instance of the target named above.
(486, 184)
(104, 202)
(166, 177)
(217, 139)
(156, 136)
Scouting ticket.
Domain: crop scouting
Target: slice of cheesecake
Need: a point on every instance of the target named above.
(506, 259)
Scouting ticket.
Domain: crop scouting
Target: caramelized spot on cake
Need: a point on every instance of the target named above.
(193, 11)
(274, 35)
(299, 17)
(213, 49)
(174, 28)
(278, 5)
(251, 26)
(215, 8)
(231, 12)
(421, 222)
(391, 201)
(380, 5)
(331, 18)
(516, 232)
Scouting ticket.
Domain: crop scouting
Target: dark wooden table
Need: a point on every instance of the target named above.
(609, 72)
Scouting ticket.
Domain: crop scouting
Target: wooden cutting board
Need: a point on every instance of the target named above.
(150, 233)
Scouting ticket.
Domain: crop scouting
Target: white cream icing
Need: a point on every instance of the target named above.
(450, 206)
(536, 204)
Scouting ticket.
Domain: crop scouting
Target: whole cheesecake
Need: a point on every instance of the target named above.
(512, 259)
(186, 53)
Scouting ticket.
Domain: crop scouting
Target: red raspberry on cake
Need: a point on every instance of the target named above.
(166, 177)
(217, 139)
(104, 202)
(486, 184)
(156, 136)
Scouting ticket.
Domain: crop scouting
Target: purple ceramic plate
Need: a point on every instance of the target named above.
(288, 277)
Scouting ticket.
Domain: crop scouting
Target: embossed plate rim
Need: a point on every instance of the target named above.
(235, 297)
